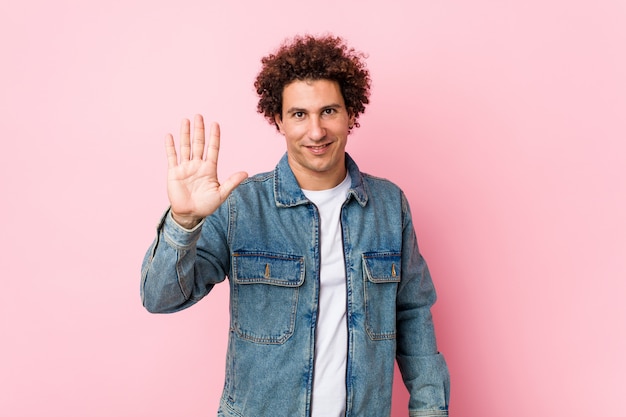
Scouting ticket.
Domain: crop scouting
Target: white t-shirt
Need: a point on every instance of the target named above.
(331, 337)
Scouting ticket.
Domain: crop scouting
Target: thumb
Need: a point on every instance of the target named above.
(232, 182)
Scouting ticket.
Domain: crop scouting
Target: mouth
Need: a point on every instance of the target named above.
(318, 148)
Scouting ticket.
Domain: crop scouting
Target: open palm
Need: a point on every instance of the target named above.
(192, 184)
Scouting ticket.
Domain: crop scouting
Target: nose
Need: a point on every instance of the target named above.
(316, 129)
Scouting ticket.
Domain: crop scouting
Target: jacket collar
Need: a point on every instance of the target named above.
(288, 193)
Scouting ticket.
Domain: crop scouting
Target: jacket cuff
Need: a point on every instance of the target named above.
(428, 413)
(175, 234)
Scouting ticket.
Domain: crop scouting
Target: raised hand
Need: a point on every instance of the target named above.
(192, 185)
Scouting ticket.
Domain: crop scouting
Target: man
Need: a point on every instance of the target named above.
(327, 286)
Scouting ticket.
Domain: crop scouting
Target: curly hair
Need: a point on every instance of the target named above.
(313, 58)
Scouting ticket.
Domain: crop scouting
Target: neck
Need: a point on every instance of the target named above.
(317, 181)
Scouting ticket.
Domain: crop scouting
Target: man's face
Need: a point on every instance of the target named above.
(315, 123)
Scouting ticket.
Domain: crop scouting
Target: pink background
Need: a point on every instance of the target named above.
(504, 122)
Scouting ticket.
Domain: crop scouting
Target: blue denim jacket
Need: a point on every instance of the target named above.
(265, 239)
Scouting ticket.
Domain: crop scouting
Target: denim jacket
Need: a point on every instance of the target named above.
(265, 239)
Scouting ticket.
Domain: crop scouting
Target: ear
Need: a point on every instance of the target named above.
(279, 122)
(351, 120)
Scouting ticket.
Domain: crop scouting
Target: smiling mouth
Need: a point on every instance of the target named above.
(319, 147)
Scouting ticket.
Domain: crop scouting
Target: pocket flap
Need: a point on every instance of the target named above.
(268, 268)
(382, 267)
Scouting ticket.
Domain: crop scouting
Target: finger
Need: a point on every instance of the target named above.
(214, 143)
(198, 137)
(170, 151)
(185, 146)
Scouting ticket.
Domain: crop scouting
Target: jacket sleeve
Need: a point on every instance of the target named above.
(182, 266)
(423, 368)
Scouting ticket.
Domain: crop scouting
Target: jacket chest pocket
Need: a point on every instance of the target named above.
(265, 295)
(381, 277)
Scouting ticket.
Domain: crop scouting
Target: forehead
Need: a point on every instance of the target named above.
(312, 94)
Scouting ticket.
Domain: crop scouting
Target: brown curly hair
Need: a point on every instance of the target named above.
(313, 58)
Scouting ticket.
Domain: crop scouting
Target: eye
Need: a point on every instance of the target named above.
(298, 114)
(330, 111)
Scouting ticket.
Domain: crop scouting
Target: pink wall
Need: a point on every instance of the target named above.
(504, 121)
